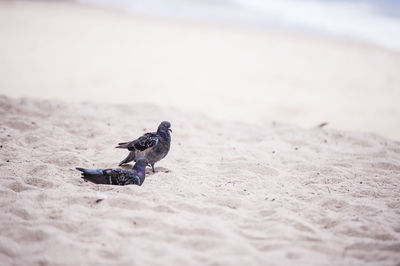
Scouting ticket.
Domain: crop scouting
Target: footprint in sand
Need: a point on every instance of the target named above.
(128, 204)
(38, 182)
(21, 213)
(17, 186)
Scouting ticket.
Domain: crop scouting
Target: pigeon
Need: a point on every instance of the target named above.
(153, 146)
(117, 176)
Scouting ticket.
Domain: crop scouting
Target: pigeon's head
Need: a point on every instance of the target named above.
(141, 163)
(165, 125)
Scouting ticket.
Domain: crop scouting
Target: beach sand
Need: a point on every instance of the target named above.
(228, 193)
(250, 179)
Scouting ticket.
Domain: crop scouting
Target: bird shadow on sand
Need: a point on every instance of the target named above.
(148, 170)
(157, 170)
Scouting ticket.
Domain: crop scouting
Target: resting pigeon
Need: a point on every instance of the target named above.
(153, 146)
(117, 176)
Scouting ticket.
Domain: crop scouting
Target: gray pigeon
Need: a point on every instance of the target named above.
(153, 146)
(117, 176)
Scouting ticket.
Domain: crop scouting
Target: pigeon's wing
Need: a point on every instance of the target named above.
(114, 176)
(146, 141)
(132, 179)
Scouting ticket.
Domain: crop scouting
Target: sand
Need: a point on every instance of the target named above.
(237, 188)
(228, 193)
(60, 50)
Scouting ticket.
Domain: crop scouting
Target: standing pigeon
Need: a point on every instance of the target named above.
(117, 176)
(153, 146)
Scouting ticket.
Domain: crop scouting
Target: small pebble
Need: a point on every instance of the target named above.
(100, 196)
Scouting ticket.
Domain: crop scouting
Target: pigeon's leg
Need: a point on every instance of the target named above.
(152, 167)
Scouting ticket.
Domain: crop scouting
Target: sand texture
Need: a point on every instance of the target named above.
(229, 193)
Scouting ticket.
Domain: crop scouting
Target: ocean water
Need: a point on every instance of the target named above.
(371, 21)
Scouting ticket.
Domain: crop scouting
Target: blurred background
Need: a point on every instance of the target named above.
(293, 61)
(373, 21)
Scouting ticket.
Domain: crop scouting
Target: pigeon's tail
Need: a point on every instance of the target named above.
(129, 158)
(123, 145)
(94, 175)
(90, 171)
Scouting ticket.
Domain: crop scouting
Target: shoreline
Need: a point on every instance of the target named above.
(242, 14)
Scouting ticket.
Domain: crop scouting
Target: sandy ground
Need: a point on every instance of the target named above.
(227, 194)
(75, 53)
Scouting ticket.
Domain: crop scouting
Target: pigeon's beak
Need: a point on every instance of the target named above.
(148, 165)
(170, 130)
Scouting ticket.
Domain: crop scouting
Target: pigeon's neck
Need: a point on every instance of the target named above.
(140, 171)
(164, 133)
(139, 168)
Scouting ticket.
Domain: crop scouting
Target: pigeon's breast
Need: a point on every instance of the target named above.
(153, 154)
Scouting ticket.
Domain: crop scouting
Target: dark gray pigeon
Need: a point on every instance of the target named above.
(117, 176)
(153, 146)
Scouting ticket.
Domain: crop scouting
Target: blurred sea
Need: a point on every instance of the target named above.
(372, 21)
